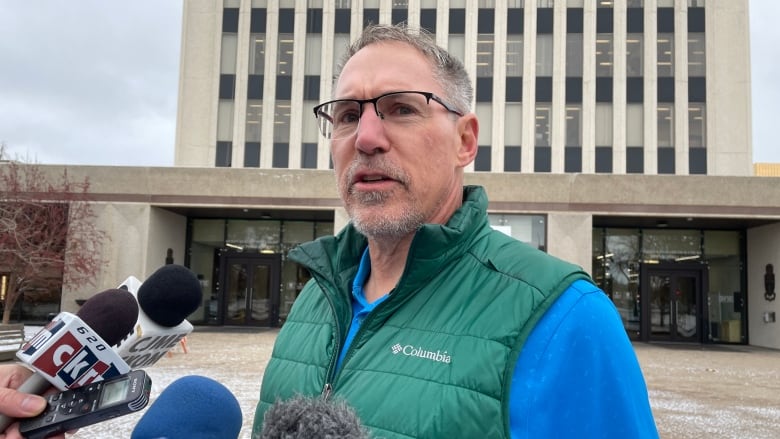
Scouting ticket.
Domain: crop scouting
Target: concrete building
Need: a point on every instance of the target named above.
(614, 133)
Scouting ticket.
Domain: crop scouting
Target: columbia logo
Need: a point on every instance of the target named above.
(411, 351)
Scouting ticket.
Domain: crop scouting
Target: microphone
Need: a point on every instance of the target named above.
(167, 297)
(308, 418)
(74, 350)
(192, 407)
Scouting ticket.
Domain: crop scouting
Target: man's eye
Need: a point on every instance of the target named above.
(401, 109)
(347, 117)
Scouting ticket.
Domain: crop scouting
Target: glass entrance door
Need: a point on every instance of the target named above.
(250, 285)
(673, 309)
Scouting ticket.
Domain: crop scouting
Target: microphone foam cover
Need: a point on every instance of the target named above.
(192, 407)
(302, 417)
(111, 314)
(170, 294)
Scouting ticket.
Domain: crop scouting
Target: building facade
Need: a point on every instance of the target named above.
(614, 134)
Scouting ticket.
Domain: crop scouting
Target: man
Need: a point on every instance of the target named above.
(419, 315)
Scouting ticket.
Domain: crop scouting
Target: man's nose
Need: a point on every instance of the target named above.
(371, 136)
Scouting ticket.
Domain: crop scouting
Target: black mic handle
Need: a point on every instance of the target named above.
(35, 385)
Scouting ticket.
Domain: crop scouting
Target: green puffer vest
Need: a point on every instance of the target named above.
(434, 360)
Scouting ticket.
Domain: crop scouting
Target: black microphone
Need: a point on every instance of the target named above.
(311, 418)
(74, 350)
(192, 407)
(167, 297)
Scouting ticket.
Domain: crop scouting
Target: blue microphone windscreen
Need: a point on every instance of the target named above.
(192, 407)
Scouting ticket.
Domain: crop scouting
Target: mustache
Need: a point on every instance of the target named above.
(376, 164)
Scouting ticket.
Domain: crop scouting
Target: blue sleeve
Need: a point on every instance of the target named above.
(578, 376)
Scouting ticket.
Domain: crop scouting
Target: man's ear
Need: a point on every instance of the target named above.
(468, 130)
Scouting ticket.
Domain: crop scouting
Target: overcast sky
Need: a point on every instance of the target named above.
(96, 82)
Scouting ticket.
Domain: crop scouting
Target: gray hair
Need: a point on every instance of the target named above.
(448, 70)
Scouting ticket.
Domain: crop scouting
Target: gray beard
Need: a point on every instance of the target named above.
(385, 227)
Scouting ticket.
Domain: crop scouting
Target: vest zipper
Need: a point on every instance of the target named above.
(326, 391)
(330, 377)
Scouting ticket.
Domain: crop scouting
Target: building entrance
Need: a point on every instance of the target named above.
(249, 289)
(672, 309)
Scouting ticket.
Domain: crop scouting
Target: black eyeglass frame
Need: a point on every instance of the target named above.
(361, 102)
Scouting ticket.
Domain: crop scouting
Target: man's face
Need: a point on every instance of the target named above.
(394, 180)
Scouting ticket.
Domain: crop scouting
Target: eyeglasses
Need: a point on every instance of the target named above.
(339, 119)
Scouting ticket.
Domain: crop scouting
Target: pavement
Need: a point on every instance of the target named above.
(695, 391)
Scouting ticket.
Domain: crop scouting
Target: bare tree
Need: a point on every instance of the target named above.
(48, 233)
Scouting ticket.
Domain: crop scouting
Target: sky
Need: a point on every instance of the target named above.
(95, 82)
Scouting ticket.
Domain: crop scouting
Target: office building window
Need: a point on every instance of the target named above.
(604, 89)
(399, 13)
(697, 60)
(257, 21)
(254, 120)
(512, 157)
(697, 126)
(697, 161)
(514, 68)
(513, 124)
(542, 159)
(574, 55)
(457, 21)
(281, 155)
(309, 156)
(342, 20)
(544, 20)
(544, 87)
(573, 125)
(665, 125)
(227, 85)
(230, 20)
(635, 90)
(314, 21)
(635, 133)
(604, 18)
(635, 160)
(428, 20)
(514, 89)
(665, 160)
(482, 161)
(370, 16)
(635, 65)
(224, 154)
(225, 120)
(574, 90)
(696, 20)
(456, 42)
(252, 154)
(603, 159)
(543, 125)
(514, 21)
(635, 20)
(603, 124)
(574, 20)
(484, 111)
(572, 159)
(604, 56)
(665, 60)
(665, 17)
(665, 89)
(544, 55)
